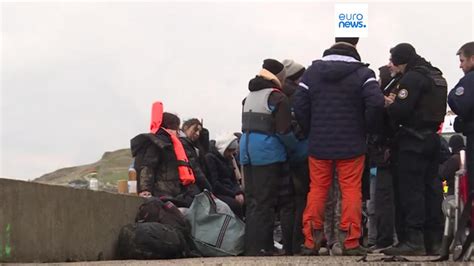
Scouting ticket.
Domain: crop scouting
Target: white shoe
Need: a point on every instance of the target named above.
(336, 249)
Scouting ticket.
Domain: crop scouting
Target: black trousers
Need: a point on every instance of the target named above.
(300, 176)
(286, 212)
(384, 207)
(261, 191)
(470, 159)
(419, 191)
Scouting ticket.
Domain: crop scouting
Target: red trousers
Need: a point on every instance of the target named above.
(321, 176)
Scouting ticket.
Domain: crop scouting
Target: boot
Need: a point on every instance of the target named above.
(413, 245)
(357, 251)
(308, 251)
(433, 240)
(318, 236)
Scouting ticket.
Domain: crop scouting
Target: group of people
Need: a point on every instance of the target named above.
(308, 137)
(176, 163)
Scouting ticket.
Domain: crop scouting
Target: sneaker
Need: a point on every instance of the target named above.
(357, 251)
(336, 250)
(323, 251)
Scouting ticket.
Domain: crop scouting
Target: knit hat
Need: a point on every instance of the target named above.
(276, 68)
(402, 53)
(227, 141)
(351, 40)
(456, 142)
(293, 70)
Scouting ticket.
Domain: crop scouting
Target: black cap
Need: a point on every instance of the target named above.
(402, 53)
(273, 66)
(351, 40)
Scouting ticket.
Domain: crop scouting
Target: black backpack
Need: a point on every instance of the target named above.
(151, 241)
(155, 210)
(160, 231)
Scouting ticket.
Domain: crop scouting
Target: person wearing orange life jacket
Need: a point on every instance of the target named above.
(163, 169)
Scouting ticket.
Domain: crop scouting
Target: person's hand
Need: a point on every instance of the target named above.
(240, 199)
(388, 101)
(145, 194)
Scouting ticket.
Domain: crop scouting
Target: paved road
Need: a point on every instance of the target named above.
(372, 259)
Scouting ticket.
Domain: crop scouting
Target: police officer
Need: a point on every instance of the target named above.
(461, 101)
(418, 109)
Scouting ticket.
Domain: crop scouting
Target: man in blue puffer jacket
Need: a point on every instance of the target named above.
(267, 135)
(340, 100)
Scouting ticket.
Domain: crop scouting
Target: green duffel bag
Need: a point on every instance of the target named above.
(215, 229)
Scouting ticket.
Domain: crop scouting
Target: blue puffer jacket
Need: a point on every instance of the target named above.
(340, 100)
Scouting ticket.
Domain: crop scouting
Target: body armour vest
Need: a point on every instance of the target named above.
(256, 115)
(432, 106)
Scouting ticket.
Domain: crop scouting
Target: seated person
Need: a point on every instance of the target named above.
(192, 139)
(222, 173)
(163, 169)
(448, 169)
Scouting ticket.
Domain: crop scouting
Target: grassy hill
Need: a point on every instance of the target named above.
(112, 167)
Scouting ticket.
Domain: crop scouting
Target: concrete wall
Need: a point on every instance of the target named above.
(45, 223)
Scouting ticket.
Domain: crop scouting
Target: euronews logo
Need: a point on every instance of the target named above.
(354, 20)
(351, 20)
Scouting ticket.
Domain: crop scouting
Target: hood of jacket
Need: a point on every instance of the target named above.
(260, 83)
(338, 62)
(142, 140)
(223, 142)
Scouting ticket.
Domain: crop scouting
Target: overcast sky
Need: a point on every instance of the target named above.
(78, 79)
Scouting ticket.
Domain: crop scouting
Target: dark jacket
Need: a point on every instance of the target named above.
(198, 168)
(461, 101)
(418, 98)
(379, 144)
(222, 175)
(157, 168)
(300, 152)
(448, 169)
(340, 101)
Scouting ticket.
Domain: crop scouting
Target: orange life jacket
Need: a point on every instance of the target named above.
(185, 171)
(156, 117)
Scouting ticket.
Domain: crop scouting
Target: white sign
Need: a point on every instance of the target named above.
(351, 20)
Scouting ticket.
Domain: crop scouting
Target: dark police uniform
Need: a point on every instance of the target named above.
(461, 101)
(418, 110)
